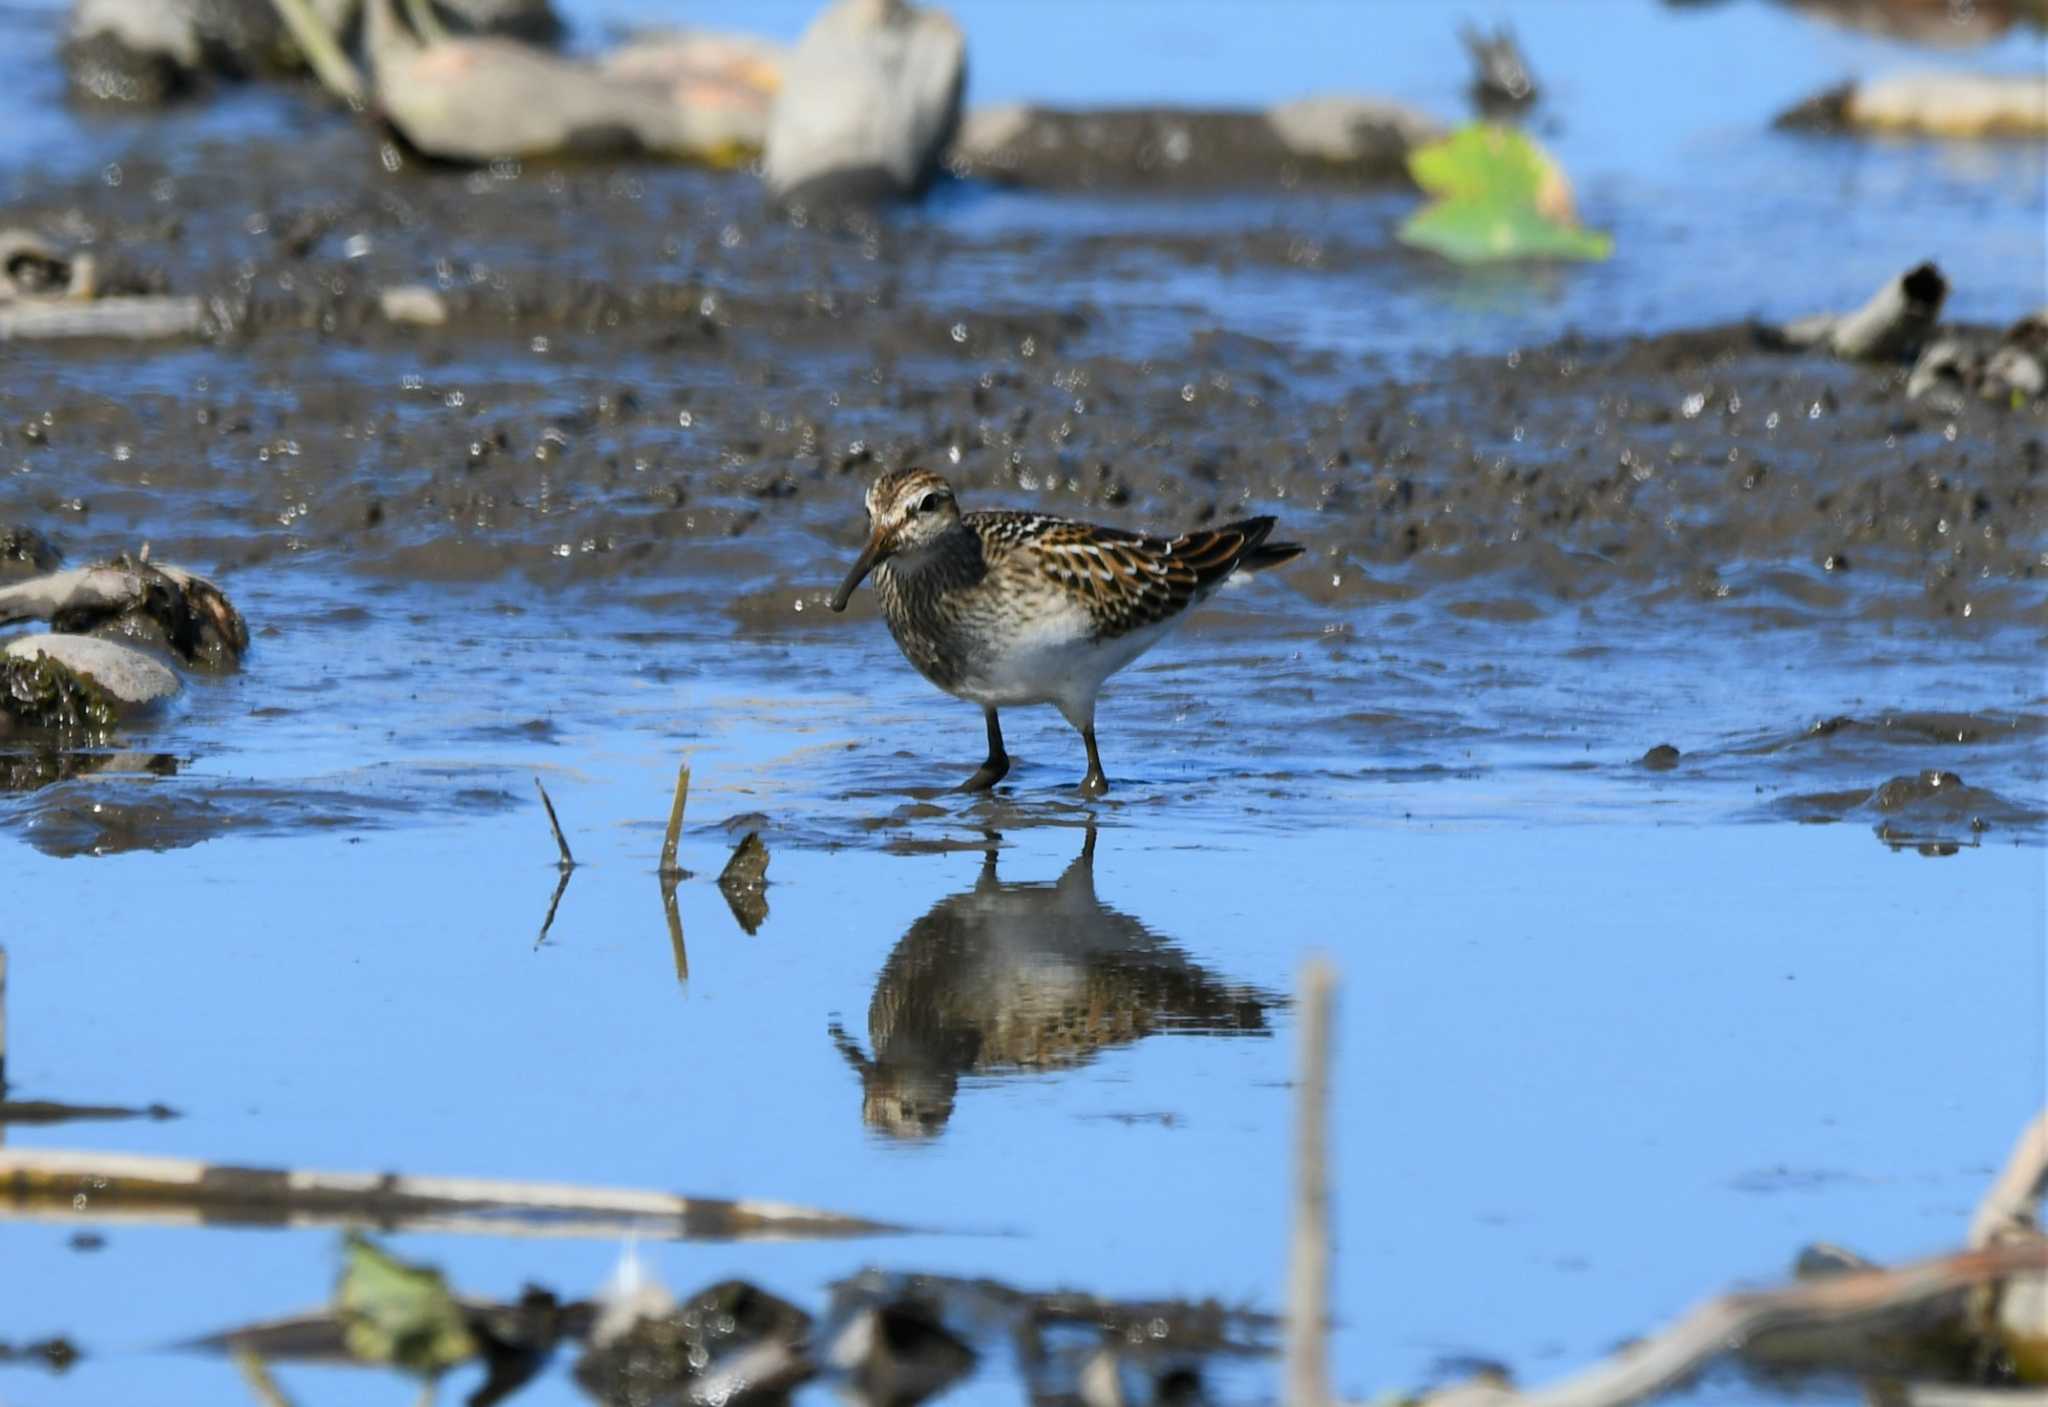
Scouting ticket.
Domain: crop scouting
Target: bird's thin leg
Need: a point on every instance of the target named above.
(998, 764)
(1095, 783)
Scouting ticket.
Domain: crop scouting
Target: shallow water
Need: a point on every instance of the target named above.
(1613, 1036)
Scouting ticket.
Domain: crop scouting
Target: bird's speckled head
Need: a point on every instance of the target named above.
(908, 510)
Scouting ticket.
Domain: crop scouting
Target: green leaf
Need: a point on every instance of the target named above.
(396, 1313)
(1498, 196)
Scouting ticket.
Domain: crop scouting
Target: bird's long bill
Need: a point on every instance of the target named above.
(862, 565)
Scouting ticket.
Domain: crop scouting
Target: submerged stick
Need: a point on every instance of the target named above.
(323, 55)
(70, 1186)
(568, 861)
(1308, 1309)
(675, 820)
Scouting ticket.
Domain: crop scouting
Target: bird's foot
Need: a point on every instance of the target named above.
(987, 775)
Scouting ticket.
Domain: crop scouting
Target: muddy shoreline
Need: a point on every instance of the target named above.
(636, 360)
(648, 391)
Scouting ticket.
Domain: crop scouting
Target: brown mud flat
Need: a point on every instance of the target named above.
(648, 389)
(636, 360)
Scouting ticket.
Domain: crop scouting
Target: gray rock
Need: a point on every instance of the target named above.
(482, 99)
(129, 676)
(870, 101)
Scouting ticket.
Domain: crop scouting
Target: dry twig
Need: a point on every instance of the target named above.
(675, 821)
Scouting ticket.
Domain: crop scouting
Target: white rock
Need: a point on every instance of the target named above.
(870, 99)
(1953, 105)
(128, 675)
(168, 27)
(413, 303)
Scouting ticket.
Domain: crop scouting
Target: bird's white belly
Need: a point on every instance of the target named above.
(1053, 660)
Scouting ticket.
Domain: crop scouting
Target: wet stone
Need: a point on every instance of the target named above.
(119, 676)
(1661, 758)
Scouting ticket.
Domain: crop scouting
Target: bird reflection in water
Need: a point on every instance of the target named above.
(1006, 979)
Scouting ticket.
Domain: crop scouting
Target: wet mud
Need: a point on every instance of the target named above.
(762, 372)
(648, 389)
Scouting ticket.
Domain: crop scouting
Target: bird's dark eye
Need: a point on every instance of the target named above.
(930, 502)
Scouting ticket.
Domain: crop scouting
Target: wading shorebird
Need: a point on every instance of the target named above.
(1004, 608)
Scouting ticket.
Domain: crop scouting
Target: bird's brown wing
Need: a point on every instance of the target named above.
(1124, 580)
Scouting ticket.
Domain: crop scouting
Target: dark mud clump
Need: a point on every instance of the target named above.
(1927, 808)
(26, 552)
(41, 697)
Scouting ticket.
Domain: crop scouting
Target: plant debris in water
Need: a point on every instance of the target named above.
(397, 1313)
(1497, 195)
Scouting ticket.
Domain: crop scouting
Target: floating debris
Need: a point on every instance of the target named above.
(1496, 195)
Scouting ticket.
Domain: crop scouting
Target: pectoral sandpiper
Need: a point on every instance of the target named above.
(1007, 608)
